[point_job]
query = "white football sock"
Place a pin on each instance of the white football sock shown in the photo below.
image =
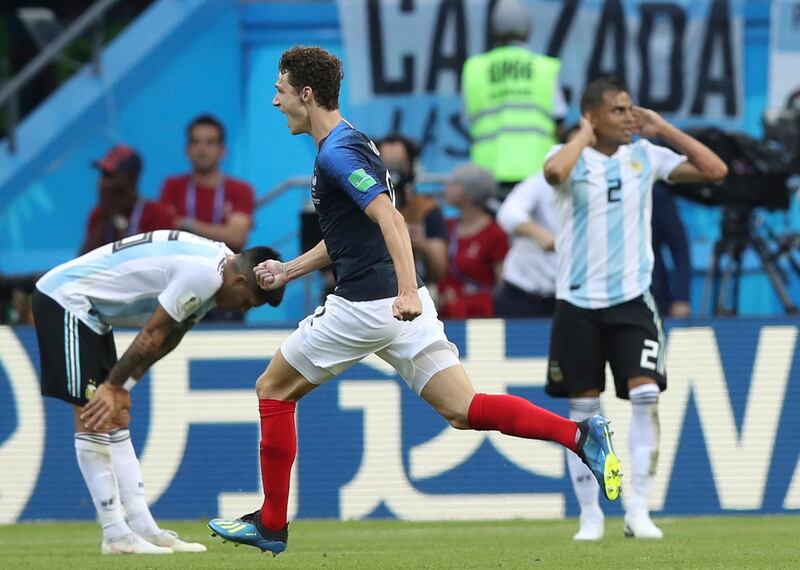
(131, 485)
(584, 483)
(643, 446)
(93, 451)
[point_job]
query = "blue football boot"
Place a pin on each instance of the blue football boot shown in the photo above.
(249, 530)
(597, 452)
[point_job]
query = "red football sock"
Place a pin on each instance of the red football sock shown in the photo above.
(517, 416)
(278, 450)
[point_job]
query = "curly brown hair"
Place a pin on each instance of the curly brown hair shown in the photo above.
(316, 68)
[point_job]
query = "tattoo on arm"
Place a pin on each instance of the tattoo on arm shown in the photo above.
(139, 350)
(145, 349)
(169, 344)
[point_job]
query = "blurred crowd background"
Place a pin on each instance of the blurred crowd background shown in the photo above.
(134, 115)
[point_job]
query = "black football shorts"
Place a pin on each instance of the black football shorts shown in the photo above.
(74, 359)
(628, 336)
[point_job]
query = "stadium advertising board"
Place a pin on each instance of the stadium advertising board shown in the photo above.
(681, 58)
(368, 447)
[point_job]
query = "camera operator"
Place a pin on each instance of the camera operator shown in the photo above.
(763, 174)
(782, 126)
(423, 216)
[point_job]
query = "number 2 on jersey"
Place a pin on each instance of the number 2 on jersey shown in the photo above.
(614, 186)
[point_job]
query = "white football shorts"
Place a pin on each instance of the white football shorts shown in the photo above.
(341, 333)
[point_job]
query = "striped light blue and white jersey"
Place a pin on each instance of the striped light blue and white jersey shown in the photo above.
(604, 251)
(122, 283)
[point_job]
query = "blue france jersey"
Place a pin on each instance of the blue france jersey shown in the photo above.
(348, 175)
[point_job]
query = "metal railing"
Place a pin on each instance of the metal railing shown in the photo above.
(91, 20)
(284, 187)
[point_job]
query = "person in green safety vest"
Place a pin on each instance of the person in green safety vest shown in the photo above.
(513, 100)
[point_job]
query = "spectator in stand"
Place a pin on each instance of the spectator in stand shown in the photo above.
(121, 212)
(529, 272)
(528, 215)
(205, 201)
(476, 248)
(424, 217)
(15, 298)
(670, 288)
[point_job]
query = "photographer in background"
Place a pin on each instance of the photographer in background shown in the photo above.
(120, 211)
(424, 218)
(783, 126)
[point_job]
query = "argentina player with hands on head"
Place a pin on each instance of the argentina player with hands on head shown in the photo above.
(603, 183)
(162, 282)
(379, 307)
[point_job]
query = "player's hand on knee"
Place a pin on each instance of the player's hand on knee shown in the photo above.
(271, 274)
(122, 399)
(121, 419)
(407, 307)
(100, 409)
(122, 405)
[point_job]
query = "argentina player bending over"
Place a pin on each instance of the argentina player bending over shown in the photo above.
(379, 306)
(162, 282)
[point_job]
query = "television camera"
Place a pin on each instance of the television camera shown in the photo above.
(762, 174)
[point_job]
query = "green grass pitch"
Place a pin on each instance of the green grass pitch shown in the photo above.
(703, 543)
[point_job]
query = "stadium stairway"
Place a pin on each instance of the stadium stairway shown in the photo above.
(84, 116)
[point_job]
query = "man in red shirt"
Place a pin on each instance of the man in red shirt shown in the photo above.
(206, 202)
(120, 211)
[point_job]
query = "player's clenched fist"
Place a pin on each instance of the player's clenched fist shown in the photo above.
(407, 307)
(271, 274)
